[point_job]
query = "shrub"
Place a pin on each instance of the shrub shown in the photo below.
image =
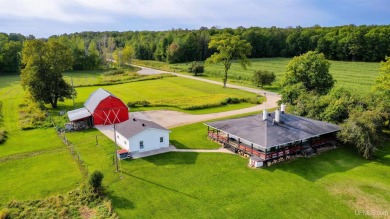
(95, 180)
(196, 68)
(3, 135)
(138, 103)
(263, 77)
(114, 72)
(4, 213)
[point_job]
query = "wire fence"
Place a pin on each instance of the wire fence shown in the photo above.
(72, 149)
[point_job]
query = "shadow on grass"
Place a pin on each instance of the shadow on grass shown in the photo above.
(383, 154)
(121, 202)
(178, 144)
(314, 168)
(172, 158)
(159, 185)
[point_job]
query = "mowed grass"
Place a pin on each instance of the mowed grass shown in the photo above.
(181, 138)
(210, 185)
(11, 94)
(355, 76)
(171, 92)
(35, 177)
(33, 163)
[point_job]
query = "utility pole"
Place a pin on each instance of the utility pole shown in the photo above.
(71, 79)
(116, 155)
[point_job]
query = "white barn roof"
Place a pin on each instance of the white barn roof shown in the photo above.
(78, 114)
(95, 98)
(133, 127)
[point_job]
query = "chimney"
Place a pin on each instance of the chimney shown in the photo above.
(283, 107)
(277, 116)
(265, 114)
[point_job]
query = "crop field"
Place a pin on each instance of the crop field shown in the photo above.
(176, 92)
(355, 76)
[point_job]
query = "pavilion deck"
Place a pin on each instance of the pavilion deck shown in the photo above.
(276, 153)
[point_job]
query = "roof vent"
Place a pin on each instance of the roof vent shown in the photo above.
(264, 114)
(134, 119)
(143, 124)
(277, 115)
(283, 107)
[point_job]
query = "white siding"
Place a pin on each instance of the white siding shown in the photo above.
(150, 137)
(122, 141)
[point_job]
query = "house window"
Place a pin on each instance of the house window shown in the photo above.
(117, 136)
(141, 145)
(161, 139)
(125, 142)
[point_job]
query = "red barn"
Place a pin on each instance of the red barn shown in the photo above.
(106, 108)
(103, 107)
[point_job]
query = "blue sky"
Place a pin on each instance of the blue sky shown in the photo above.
(44, 18)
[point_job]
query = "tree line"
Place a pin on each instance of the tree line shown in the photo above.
(346, 43)
(90, 50)
(308, 89)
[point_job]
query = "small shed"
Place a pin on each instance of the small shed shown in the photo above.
(138, 135)
(106, 108)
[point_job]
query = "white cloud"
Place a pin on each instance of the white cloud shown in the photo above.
(166, 14)
(191, 11)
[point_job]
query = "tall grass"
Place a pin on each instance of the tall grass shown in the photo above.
(79, 203)
(3, 133)
(355, 76)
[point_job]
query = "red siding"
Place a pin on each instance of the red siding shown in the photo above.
(109, 111)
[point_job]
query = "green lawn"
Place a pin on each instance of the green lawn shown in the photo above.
(170, 92)
(181, 139)
(356, 76)
(184, 137)
(35, 177)
(192, 185)
(33, 163)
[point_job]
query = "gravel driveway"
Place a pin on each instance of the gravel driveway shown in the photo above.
(170, 119)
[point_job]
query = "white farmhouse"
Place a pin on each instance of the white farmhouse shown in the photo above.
(138, 135)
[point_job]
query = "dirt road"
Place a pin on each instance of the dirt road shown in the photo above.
(170, 119)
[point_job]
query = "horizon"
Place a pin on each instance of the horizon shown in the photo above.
(44, 19)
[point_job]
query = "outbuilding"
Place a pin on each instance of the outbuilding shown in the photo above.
(273, 137)
(138, 135)
(103, 108)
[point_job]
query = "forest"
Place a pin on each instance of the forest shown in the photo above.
(91, 49)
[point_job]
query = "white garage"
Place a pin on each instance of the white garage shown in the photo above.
(138, 135)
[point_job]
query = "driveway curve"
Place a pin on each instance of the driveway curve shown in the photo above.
(170, 119)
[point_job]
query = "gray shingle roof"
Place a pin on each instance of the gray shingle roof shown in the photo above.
(133, 127)
(95, 98)
(264, 133)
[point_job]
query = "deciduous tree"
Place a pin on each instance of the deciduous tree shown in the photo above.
(263, 77)
(383, 81)
(127, 54)
(312, 69)
(229, 48)
(42, 76)
(363, 129)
